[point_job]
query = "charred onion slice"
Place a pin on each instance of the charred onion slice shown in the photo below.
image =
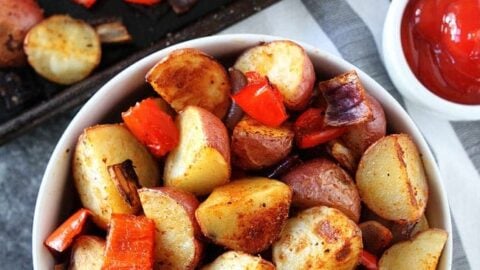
(125, 179)
(235, 113)
(346, 100)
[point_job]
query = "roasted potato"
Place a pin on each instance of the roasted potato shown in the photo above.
(420, 226)
(286, 65)
(318, 238)
(245, 215)
(201, 160)
(190, 77)
(62, 49)
(177, 232)
(16, 18)
(343, 155)
(87, 253)
(239, 260)
(99, 147)
(391, 179)
(375, 236)
(322, 182)
(256, 146)
(421, 253)
(359, 137)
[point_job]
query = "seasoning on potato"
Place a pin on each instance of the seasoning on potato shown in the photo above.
(62, 49)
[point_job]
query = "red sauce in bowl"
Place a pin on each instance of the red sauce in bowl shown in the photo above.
(441, 41)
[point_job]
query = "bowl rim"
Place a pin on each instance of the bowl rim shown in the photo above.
(53, 183)
(402, 76)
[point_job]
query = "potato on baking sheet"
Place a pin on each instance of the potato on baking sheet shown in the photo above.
(87, 253)
(256, 146)
(322, 182)
(190, 77)
(99, 147)
(391, 179)
(245, 215)
(286, 65)
(234, 260)
(62, 49)
(176, 229)
(422, 252)
(201, 160)
(318, 238)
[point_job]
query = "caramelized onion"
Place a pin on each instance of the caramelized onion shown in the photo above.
(346, 100)
(235, 113)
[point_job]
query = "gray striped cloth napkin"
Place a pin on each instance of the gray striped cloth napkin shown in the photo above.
(352, 29)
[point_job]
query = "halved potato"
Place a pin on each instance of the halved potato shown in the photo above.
(245, 215)
(286, 65)
(322, 182)
(421, 253)
(318, 238)
(190, 77)
(87, 253)
(62, 49)
(391, 179)
(255, 146)
(177, 232)
(97, 148)
(234, 260)
(201, 160)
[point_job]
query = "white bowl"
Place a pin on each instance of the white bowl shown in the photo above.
(404, 79)
(56, 187)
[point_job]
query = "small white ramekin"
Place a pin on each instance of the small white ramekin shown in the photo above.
(404, 79)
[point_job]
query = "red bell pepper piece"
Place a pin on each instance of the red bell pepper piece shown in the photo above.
(85, 3)
(63, 236)
(368, 260)
(130, 243)
(152, 126)
(143, 2)
(310, 129)
(261, 100)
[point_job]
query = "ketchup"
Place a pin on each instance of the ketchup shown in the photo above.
(441, 41)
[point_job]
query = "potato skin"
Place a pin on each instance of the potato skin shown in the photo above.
(322, 182)
(391, 179)
(359, 137)
(16, 18)
(375, 236)
(190, 77)
(87, 253)
(239, 260)
(318, 238)
(256, 146)
(245, 215)
(177, 244)
(97, 148)
(286, 65)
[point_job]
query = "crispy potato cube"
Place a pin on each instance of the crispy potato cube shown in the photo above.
(422, 252)
(245, 215)
(190, 77)
(391, 179)
(318, 238)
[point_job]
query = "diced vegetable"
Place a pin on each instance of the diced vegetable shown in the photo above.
(368, 260)
(152, 126)
(85, 3)
(311, 131)
(126, 180)
(63, 236)
(346, 101)
(143, 2)
(130, 243)
(261, 100)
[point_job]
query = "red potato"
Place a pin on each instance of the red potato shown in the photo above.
(256, 146)
(190, 77)
(177, 232)
(201, 160)
(16, 19)
(376, 237)
(286, 65)
(322, 182)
